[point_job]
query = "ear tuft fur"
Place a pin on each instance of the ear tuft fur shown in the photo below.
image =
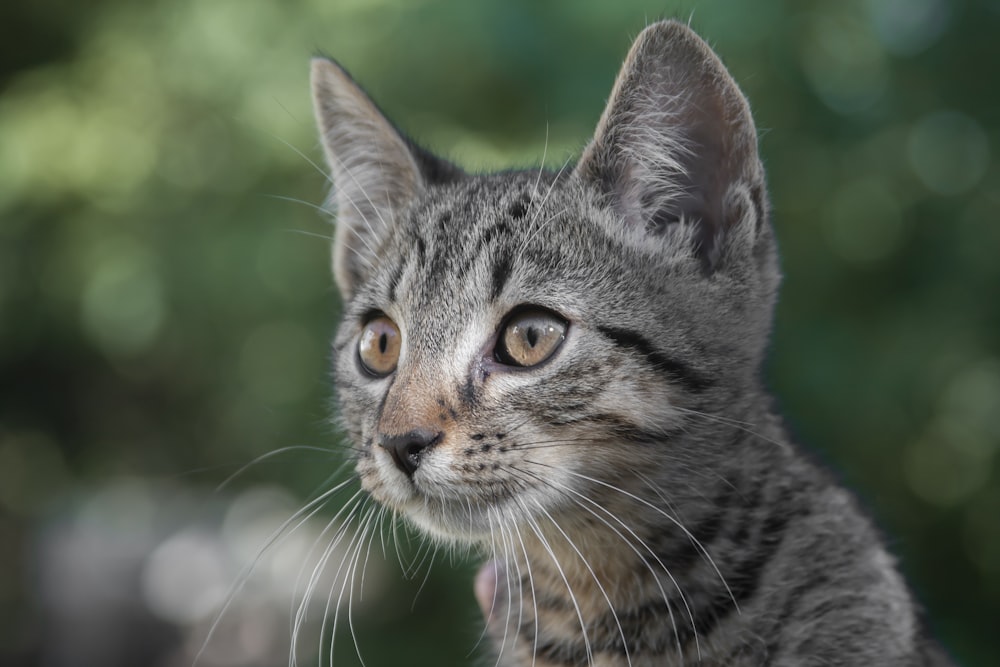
(375, 172)
(675, 137)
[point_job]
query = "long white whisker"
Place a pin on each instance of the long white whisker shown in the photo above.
(500, 561)
(538, 210)
(593, 575)
(423, 583)
(350, 553)
(534, 599)
(276, 537)
(639, 540)
(302, 155)
(263, 457)
(368, 529)
(364, 570)
(296, 200)
(541, 167)
(569, 589)
(701, 548)
(510, 559)
(302, 611)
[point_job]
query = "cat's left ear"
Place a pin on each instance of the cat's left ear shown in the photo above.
(376, 172)
(677, 142)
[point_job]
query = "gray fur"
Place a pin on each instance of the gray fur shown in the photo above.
(640, 493)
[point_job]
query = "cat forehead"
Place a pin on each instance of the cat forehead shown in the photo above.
(486, 240)
(530, 210)
(515, 195)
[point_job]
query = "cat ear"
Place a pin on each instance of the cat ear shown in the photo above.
(676, 141)
(376, 172)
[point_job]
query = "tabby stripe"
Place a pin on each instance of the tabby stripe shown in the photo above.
(421, 251)
(484, 242)
(501, 273)
(443, 221)
(707, 608)
(647, 631)
(394, 280)
(623, 429)
(686, 549)
(467, 393)
(817, 580)
(677, 370)
(501, 227)
(744, 581)
(555, 651)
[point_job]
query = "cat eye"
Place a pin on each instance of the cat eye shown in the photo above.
(529, 337)
(378, 347)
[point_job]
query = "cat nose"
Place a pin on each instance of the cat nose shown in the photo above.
(408, 448)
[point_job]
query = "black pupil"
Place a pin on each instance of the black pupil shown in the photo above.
(383, 342)
(532, 335)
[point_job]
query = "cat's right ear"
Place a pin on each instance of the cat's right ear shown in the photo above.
(376, 173)
(677, 144)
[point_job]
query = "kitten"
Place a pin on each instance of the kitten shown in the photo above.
(564, 369)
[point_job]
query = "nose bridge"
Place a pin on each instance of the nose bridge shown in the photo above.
(426, 392)
(415, 401)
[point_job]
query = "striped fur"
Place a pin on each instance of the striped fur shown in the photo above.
(640, 497)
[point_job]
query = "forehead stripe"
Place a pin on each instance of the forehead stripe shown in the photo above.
(502, 265)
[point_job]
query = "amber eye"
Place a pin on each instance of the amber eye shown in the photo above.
(529, 337)
(378, 347)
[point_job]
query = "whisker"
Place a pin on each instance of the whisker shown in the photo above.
(276, 537)
(354, 568)
(302, 155)
(534, 599)
(701, 548)
(524, 244)
(302, 611)
(351, 552)
(302, 232)
(593, 575)
(364, 193)
(541, 166)
(420, 588)
(559, 569)
(364, 570)
(263, 457)
(499, 560)
(509, 558)
(296, 200)
(738, 424)
(424, 550)
(640, 541)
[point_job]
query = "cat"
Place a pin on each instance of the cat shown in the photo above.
(563, 368)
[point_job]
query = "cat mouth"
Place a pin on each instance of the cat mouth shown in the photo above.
(461, 515)
(456, 521)
(453, 502)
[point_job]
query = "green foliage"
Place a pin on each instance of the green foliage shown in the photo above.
(165, 297)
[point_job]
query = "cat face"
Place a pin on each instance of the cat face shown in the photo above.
(513, 344)
(509, 378)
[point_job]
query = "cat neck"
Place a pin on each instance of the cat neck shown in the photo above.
(627, 546)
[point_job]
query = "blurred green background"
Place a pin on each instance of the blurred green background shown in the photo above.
(165, 296)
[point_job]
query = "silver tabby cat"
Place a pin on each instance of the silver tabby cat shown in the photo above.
(565, 369)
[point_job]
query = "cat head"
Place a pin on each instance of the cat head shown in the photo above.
(511, 341)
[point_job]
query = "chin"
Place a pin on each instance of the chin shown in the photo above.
(449, 523)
